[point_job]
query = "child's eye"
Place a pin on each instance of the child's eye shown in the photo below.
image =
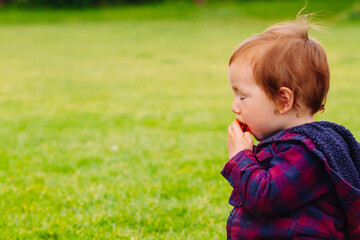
(242, 98)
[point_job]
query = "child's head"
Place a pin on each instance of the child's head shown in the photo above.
(280, 78)
(284, 56)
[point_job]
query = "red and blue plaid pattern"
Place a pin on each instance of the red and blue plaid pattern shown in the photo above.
(283, 190)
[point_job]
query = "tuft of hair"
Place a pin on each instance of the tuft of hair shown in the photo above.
(285, 56)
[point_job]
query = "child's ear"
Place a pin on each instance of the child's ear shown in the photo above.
(286, 100)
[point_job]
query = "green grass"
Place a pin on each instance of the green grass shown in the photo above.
(115, 127)
(273, 10)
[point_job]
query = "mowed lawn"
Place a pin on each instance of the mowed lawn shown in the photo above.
(116, 128)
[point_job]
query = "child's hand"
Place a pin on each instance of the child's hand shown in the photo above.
(239, 139)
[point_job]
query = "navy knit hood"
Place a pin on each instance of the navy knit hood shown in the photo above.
(341, 150)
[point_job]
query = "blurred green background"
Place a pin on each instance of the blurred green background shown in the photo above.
(114, 115)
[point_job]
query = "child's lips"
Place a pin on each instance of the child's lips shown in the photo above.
(244, 126)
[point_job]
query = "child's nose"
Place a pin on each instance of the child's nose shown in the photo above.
(235, 108)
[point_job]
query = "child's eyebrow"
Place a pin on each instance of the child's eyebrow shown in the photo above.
(235, 89)
(240, 91)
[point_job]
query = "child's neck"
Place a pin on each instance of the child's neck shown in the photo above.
(294, 118)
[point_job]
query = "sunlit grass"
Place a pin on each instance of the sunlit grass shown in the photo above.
(117, 129)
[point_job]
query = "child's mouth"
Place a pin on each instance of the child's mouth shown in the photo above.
(244, 127)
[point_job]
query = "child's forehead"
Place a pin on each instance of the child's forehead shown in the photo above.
(241, 66)
(241, 72)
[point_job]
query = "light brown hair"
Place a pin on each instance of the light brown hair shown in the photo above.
(285, 56)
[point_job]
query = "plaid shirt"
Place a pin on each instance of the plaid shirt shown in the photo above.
(285, 190)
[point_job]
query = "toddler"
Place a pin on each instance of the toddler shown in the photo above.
(302, 180)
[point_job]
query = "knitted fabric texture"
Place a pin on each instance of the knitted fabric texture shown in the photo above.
(341, 150)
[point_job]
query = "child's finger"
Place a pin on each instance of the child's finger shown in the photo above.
(237, 126)
(248, 136)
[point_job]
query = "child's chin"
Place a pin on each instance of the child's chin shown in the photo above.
(257, 137)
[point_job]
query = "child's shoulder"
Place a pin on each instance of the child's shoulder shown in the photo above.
(286, 137)
(331, 142)
(283, 142)
(313, 135)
